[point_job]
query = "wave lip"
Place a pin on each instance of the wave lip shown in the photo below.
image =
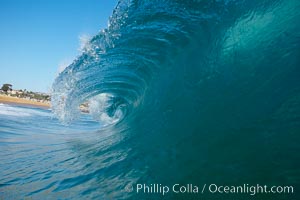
(193, 41)
(119, 61)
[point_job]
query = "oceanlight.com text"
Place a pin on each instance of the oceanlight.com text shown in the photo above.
(250, 189)
(155, 188)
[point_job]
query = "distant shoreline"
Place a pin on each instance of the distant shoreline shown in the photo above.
(25, 102)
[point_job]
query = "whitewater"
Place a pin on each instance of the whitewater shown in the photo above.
(180, 92)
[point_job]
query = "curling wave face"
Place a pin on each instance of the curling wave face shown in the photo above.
(193, 86)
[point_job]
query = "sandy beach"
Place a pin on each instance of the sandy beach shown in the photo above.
(20, 101)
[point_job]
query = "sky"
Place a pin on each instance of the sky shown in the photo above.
(38, 38)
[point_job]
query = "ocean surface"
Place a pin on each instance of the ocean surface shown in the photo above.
(189, 92)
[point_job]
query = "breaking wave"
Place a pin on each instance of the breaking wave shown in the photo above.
(179, 78)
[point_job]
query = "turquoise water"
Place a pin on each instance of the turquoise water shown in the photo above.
(188, 92)
(38, 154)
(42, 159)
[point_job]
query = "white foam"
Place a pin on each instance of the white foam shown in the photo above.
(9, 110)
(98, 106)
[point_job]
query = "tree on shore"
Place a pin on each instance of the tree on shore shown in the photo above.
(6, 87)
